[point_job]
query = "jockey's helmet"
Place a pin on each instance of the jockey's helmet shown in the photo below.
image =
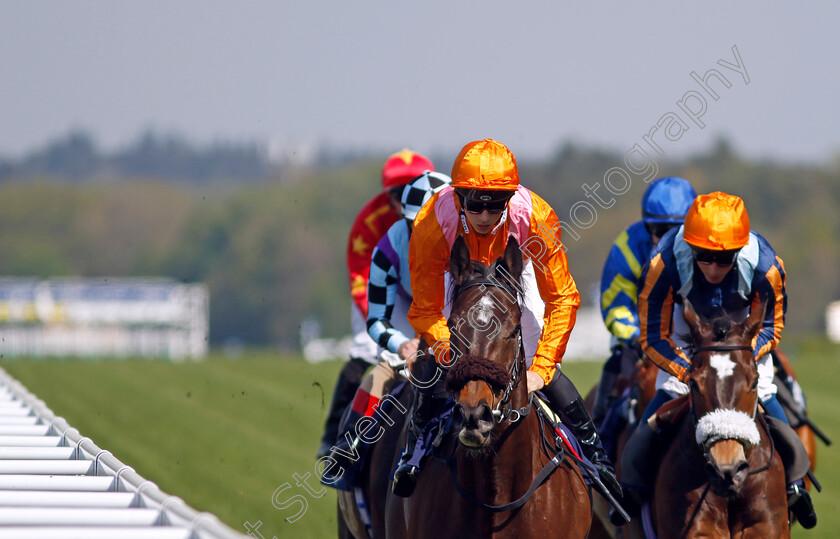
(664, 204)
(485, 170)
(717, 222)
(402, 167)
(420, 190)
(667, 200)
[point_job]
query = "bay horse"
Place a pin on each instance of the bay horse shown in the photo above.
(374, 484)
(643, 380)
(496, 450)
(720, 475)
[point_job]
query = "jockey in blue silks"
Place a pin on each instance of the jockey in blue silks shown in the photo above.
(723, 268)
(664, 205)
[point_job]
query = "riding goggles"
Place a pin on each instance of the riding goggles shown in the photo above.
(721, 258)
(477, 206)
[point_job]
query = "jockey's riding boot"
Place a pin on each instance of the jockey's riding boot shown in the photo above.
(637, 462)
(577, 418)
(800, 504)
(565, 398)
(637, 470)
(348, 447)
(795, 460)
(602, 396)
(346, 385)
(405, 476)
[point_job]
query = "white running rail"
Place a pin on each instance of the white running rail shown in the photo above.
(57, 484)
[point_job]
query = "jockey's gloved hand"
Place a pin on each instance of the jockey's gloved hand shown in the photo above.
(534, 380)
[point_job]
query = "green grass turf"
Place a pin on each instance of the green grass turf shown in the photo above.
(225, 434)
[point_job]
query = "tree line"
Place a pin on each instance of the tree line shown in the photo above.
(272, 252)
(76, 157)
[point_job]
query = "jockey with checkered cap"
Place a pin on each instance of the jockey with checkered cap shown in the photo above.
(371, 223)
(389, 297)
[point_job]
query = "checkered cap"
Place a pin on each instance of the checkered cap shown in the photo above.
(420, 190)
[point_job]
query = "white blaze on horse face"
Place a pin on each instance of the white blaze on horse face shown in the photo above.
(484, 311)
(722, 364)
(482, 318)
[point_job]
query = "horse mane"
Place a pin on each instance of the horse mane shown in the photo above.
(470, 368)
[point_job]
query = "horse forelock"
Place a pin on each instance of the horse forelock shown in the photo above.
(478, 271)
(720, 331)
(469, 368)
(722, 327)
(487, 275)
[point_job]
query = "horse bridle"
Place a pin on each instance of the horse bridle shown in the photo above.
(718, 348)
(503, 410)
(722, 348)
(729, 348)
(714, 348)
(495, 283)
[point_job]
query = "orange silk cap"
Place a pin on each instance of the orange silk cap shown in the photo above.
(486, 165)
(718, 222)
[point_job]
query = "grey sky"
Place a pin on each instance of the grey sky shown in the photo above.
(431, 75)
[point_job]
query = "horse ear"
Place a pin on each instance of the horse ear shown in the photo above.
(699, 330)
(752, 324)
(512, 259)
(459, 261)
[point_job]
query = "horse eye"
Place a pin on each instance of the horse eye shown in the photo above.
(754, 384)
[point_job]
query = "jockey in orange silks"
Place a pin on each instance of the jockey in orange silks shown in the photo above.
(371, 223)
(486, 205)
(723, 268)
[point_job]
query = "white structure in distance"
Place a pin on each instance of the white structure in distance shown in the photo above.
(98, 317)
(589, 341)
(832, 320)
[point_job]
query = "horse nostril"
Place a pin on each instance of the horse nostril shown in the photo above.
(460, 414)
(484, 417)
(486, 414)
